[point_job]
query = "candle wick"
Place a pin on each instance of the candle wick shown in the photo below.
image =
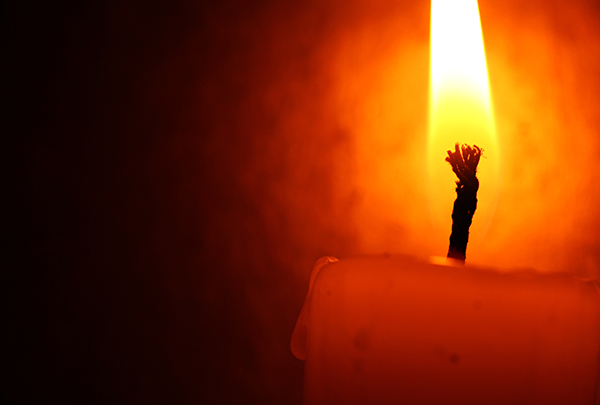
(464, 161)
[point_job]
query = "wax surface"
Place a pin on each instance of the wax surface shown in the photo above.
(402, 331)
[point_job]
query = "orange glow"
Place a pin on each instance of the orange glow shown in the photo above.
(460, 111)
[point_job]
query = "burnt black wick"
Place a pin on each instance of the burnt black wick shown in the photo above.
(464, 162)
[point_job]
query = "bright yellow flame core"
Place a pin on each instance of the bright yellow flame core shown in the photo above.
(460, 110)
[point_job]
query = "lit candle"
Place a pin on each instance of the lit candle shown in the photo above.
(390, 330)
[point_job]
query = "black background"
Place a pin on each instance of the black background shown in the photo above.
(142, 268)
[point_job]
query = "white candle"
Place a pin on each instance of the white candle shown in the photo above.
(378, 330)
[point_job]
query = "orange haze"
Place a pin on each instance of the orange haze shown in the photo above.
(544, 75)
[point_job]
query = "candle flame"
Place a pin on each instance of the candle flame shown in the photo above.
(460, 110)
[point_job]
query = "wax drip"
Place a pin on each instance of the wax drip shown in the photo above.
(464, 161)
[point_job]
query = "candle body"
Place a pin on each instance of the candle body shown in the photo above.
(402, 331)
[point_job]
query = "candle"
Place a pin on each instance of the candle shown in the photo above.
(391, 330)
(397, 330)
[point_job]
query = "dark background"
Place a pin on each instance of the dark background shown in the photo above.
(155, 260)
(176, 168)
